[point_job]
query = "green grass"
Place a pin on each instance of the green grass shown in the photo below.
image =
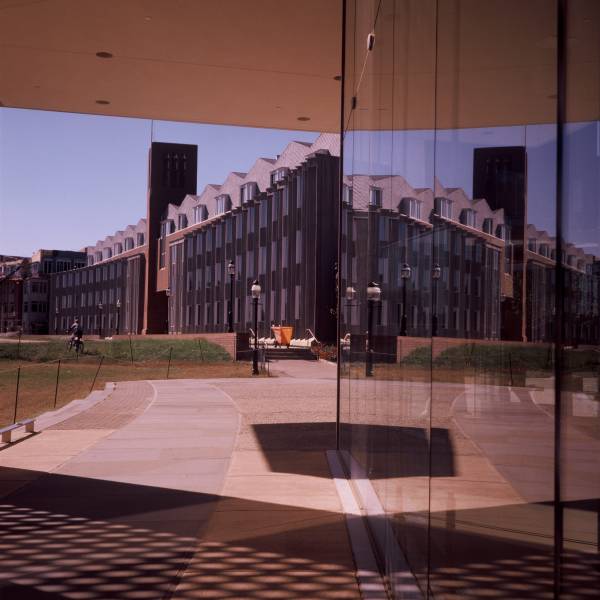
(143, 350)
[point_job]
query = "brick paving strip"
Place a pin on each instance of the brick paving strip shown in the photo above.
(171, 489)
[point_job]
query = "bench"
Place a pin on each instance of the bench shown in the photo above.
(6, 432)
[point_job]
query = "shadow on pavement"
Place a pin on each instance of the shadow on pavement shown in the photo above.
(73, 537)
(392, 451)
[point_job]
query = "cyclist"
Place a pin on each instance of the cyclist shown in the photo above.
(76, 331)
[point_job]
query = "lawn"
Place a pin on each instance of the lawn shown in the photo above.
(101, 362)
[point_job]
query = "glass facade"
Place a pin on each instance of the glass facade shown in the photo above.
(470, 285)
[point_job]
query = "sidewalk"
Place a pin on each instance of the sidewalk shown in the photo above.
(178, 489)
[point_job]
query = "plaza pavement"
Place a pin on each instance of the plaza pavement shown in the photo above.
(179, 489)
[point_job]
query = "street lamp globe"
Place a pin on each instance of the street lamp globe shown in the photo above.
(255, 290)
(405, 271)
(436, 272)
(373, 292)
(118, 303)
(350, 294)
(231, 268)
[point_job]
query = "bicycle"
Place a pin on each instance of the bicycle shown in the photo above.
(77, 343)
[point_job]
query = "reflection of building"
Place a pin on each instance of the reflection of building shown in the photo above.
(395, 224)
(276, 223)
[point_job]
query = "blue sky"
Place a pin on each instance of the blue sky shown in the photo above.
(67, 180)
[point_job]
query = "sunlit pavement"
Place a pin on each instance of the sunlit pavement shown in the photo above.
(182, 489)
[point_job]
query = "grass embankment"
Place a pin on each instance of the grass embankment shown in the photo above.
(494, 363)
(103, 361)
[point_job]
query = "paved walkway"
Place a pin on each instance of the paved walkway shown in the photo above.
(178, 489)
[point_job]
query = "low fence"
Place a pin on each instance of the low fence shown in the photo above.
(33, 381)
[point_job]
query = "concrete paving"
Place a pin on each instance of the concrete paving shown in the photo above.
(178, 489)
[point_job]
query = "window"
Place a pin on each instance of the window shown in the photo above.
(375, 196)
(278, 175)
(502, 232)
(140, 239)
(532, 244)
(182, 221)
(412, 208)
(248, 192)
(129, 243)
(545, 250)
(223, 203)
(118, 248)
(107, 253)
(469, 217)
(200, 213)
(443, 207)
(487, 226)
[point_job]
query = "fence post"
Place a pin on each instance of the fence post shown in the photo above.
(56, 388)
(169, 365)
(17, 394)
(19, 345)
(201, 351)
(510, 370)
(97, 371)
(131, 348)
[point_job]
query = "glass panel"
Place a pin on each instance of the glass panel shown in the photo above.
(492, 454)
(386, 346)
(578, 359)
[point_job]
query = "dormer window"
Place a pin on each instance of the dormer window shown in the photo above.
(544, 250)
(248, 192)
(502, 232)
(107, 253)
(182, 221)
(375, 197)
(411, 207)
(98, 256)
(223, 203)
(487, 226)
(129, 243)
(118, 248)
(140, 239)
(532, 245)
(90, 260)
(200, 213)
(443, 207)
(278, 175)
(468, 217)
(167, 227)
(572, 260)
(347, 195)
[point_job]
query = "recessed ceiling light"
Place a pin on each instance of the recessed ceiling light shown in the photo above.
(104, 55)
(103, 102)
(303, 118)
(338, 77)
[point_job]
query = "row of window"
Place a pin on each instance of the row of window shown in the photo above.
(99, 274)
(35, 307)
(118, 248)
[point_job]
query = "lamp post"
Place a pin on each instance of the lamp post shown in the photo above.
(56, 319)
(373, 297)
(118, 314)
(231, 271)
(436, 273)
(405, 274)
(255, 290)
(100, 309)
